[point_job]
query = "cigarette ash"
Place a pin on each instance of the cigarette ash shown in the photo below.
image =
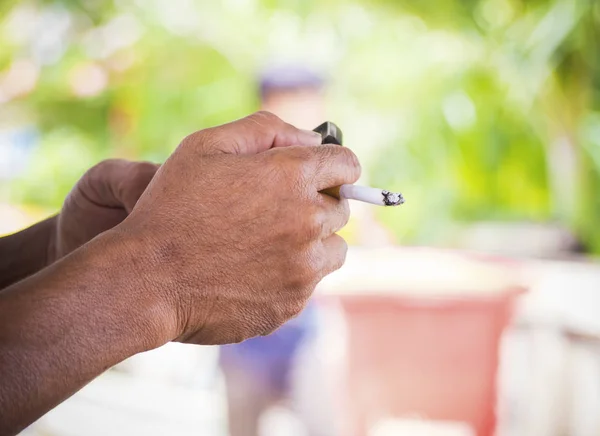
(392, 198)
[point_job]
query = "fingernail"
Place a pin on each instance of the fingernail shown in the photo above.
(308, 137)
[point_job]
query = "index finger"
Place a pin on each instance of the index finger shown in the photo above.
(333, 165)
(259, 132)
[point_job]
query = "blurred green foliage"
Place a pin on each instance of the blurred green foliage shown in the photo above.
(474, 109)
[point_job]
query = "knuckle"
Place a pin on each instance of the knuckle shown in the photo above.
(102, 166)
(341, 159)
(105, 172)
(190, 139)
(350, 160)
(291, 229)
(314, 257)
(326, 152)
(201, 139)
(301, 276)
(318, 157)
(291, 166)
(313, 225)
(264, 122)
(300, 155)
(314, 263)
(265, 117)
(305, 269)
(340, 252)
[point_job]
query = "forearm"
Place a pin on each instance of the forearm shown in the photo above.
(25, 253)
(65, 325)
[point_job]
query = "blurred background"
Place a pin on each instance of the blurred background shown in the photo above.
(474, 309)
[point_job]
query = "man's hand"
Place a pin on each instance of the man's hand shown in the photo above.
(233, 232)
(100, 200)
(227, 242)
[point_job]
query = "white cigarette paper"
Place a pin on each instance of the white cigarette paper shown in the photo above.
(370, 195)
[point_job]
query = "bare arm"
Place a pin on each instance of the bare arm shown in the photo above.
(65, 325)
(25, 253)
(227, 242)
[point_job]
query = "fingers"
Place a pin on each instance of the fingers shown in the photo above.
(256, 133)
(335, 166)
(335, 248)
(333, 215)
(325, 166)
(117, 183)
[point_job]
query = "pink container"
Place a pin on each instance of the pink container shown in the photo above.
(430, 357)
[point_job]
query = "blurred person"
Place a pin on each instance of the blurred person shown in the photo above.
(259, 372)
(223, 242)
(295, 93)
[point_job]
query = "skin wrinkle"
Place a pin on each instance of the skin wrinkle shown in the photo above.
(83, 196)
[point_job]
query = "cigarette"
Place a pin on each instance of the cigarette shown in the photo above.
(366, 194)
(332, 134)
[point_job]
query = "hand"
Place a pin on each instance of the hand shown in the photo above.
(100, 200)
(232, 232)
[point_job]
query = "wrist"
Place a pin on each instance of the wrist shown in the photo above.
(131, 267)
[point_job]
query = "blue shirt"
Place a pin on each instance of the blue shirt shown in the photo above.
(282, 343)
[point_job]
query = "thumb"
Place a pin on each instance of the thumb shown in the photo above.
(257, 133)
(117, 183)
